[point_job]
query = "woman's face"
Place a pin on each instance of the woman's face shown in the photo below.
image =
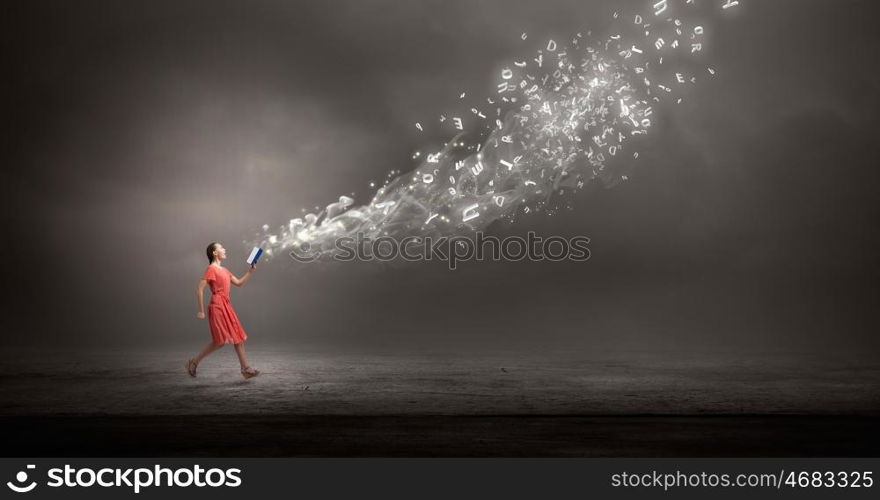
(220, 252)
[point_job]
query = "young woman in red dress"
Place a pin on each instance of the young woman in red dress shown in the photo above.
(224, 324)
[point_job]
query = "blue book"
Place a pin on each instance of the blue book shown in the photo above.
(255, 255)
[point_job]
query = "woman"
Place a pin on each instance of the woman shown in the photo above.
(225, 327)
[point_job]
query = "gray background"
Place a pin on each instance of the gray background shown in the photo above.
(136, 133)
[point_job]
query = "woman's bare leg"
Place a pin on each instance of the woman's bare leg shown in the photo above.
(208, 349)
(242, 357)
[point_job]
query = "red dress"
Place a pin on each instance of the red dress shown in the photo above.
(225, 327)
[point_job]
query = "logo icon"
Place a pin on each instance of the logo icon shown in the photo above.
(21, 477)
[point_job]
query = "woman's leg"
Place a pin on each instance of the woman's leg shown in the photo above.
(208, 349)
(242, 357)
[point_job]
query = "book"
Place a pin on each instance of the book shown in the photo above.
(255, 255)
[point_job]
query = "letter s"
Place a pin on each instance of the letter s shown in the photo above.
(580, 251)
(55, 479)
(347, 253)
(232, 478)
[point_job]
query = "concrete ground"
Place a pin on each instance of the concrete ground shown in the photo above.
(568, 404)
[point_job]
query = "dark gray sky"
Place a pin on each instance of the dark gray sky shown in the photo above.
(138, 132)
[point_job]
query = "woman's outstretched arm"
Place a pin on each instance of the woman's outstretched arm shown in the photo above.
(241, 281)
(200, 298)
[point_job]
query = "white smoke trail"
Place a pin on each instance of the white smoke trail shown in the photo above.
(566, 113)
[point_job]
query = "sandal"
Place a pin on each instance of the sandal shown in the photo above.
(191, 366)
(249, 372)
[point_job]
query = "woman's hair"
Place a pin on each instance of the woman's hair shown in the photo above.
(210, 252)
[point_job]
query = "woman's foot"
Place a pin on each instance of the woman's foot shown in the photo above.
(191, 366)
(249, 372)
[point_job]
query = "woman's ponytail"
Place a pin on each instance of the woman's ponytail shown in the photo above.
(210, 252)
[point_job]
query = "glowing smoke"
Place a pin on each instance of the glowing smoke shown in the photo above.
(559, 119)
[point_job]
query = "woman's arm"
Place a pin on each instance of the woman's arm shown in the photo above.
(241, 281)
(200, 298)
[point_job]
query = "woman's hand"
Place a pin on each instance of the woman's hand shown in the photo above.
(200, 315)
(253, 268)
